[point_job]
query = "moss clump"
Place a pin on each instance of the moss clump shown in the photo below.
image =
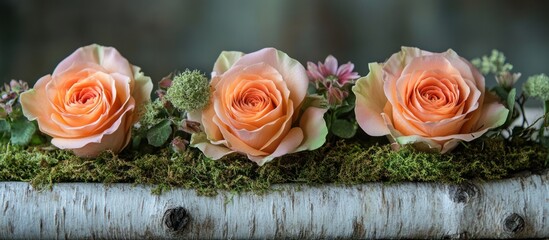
(497, 158)
(341, 162)
(20, 164)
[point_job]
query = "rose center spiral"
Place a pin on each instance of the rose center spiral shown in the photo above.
(253, 100)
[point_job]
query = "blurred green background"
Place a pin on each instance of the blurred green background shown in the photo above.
(166, 35)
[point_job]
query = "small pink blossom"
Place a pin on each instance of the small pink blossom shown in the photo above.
(329, 72)
(335, 96)
(332, 79)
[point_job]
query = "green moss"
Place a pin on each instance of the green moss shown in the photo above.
(409, 165)
(341, 162)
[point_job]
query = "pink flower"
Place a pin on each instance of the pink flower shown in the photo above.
(331, 79)
(430, 100)
(329, 72)
(90, 101)
(256, 110)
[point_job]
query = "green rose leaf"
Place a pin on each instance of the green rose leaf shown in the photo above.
(22, 131)
(501, 92)
(4, 126)
(344, 109)
(159, 134)
(347, 106)
(344, 128)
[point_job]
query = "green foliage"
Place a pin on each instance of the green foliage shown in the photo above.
(344, 128)
(494, 64)
(13, 125)
(165, 119)
(508, 98)
(340, 119)
(22, 131)
(5, 127)
(160, 133)
(189, 91)
(152, 113)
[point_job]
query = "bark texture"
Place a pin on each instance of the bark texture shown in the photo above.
(512, 208)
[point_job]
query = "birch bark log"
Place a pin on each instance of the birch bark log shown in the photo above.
(512, 208)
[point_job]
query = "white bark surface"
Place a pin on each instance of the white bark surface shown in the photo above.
(517, 208)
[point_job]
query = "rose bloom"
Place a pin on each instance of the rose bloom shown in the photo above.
(255, 108)
(89, 103)
(430, 100)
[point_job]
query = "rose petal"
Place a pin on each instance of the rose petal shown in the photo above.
(314, 127)
(272, 133)
(210, 150)
(210, 128)
(466, 70)
(32, 96)
(225, 61)
(112, 138)
(494, 115)
(142, 87)
(113, 142)
(239, 79)
(107, 57)
(261, 137)
(40, 112)
(291, 70)
(370, 101)
(395, 64)
(287, 145)
(236, 144)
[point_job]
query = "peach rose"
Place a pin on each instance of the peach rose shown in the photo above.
(431, 100)
(88, 104)
(255, 108)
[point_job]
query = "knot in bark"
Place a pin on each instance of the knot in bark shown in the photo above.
(463, 193)
(513, 223)
(176, 219)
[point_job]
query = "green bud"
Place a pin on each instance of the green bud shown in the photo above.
(189, 91)
(537, 86)
(494, 64)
